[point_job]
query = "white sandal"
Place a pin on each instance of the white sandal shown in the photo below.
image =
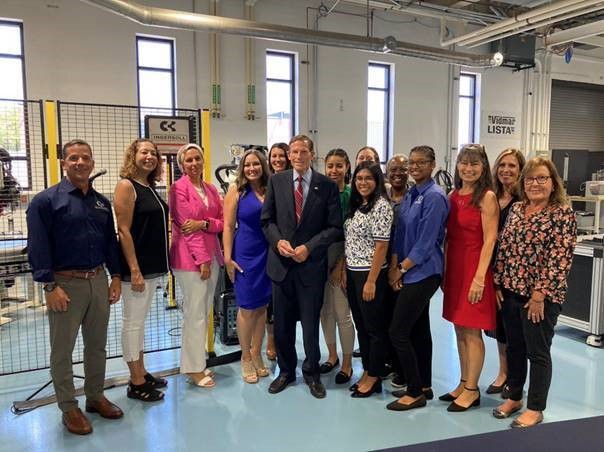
(206, 382)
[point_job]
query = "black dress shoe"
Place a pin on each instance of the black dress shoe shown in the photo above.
(493, 389)
(279, 384)
(428, 394)
(327, 367)
(342, 377)
(317, 389)
(396, 406)
(455, 408)
(376, 388)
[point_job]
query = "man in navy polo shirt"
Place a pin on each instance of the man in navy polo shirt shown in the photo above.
(71, 238)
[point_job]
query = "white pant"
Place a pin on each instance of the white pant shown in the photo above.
(337, 310)
(198, 300)
(135, 306)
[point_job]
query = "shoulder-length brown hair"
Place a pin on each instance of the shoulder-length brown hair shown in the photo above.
(558, 196)
(128, 169)
(497, 185)
(241, 181)
(485, 183)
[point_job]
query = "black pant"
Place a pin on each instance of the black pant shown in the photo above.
(293, 301)
(529, 340)
(390, 297)
(410, 333)
(370, 320)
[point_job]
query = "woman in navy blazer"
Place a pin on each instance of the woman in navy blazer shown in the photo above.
(195, 256)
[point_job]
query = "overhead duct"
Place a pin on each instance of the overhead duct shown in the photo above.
(160, 17)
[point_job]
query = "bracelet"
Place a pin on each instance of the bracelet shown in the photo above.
(477, 283)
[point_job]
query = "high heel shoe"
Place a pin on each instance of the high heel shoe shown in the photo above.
(448, 397)
(456, 408)
(376, 388)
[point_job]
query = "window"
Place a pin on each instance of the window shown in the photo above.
(280, 96)
(13, 120)
(467, 127)
(156, 76)
(379, 100)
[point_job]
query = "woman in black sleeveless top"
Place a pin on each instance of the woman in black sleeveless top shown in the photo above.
(506, 173)
(142, 220)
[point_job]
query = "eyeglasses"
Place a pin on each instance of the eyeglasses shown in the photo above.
(539, 179)
(418, 163)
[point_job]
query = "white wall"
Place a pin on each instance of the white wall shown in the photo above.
(78, 52)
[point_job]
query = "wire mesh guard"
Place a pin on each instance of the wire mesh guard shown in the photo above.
(109, 129)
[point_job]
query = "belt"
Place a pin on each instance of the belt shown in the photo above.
(80, 274)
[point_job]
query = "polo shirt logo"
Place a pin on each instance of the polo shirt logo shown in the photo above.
(419, 199)
(101, 206)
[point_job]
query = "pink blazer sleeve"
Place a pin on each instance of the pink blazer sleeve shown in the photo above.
(217, 220)
(184, 207)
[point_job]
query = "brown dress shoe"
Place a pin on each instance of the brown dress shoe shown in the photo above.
(105, 408)
(76, 422)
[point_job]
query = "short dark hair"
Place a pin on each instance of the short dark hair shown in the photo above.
(74, 142)
(307, 140)
(428, 151)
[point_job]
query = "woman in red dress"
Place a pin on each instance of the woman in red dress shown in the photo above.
(469, 301)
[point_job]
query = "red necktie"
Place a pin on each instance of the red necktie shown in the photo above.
(299, 198)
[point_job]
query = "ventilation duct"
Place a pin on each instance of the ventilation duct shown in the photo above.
(160, 17)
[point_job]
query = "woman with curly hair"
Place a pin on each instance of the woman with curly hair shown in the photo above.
(142, 222)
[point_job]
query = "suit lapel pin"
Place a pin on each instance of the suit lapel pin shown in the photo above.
(316, 188)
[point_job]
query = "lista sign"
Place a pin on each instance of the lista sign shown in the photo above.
(500, 125)
(169, 133)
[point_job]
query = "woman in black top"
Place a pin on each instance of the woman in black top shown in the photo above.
(142, 221)
(506, 173)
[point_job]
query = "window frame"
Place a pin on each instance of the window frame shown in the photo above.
(27, 157)
(292, 82)
(473, 106)
(171, 71)
(388, 113)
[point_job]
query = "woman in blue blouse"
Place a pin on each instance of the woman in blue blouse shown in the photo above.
(416, 268)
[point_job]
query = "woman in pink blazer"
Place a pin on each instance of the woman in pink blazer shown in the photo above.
(195, 257)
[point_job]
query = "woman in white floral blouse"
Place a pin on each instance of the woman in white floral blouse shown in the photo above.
(366, 237)
(531, 268)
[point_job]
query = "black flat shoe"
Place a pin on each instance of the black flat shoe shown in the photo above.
(156, 382)
(493, 389)
(428, 393)
(448, 397)
(279, 384)
(505, 394)
(342, 377)
(327, 367)
(376, 388)
(455, 408)
(396, 406)
(353, 387)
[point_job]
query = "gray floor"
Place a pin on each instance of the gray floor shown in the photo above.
(235, 416)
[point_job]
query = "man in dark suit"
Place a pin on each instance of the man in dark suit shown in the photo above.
(301, 217)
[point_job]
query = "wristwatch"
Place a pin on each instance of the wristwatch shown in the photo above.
(49, 287)
(402, 269)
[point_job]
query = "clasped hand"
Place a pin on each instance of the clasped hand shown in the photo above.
(298, 254)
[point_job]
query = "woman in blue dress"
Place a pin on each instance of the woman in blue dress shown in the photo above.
(245, 253)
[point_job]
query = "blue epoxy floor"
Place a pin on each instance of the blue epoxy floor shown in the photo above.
(235, 416)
